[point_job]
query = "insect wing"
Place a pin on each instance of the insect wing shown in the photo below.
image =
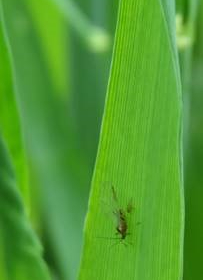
(109, 202)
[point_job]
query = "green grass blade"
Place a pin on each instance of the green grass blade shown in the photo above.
(139, 153)
(20, 251)
(9, 117)
(50, 27)
(186, 22)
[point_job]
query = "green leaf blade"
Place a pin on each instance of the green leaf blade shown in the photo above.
(140, 153)
(9, 117)
(20, 251)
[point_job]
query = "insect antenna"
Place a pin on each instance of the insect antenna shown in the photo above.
(105, 237)
(121, 242)
(115, 238)
(114, 194)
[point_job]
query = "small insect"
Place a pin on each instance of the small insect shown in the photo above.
(121, 218)
(121, 215)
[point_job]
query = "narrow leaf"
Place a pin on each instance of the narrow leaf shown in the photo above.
(9, 117)
(50, 27)
(20, 251)
(139, 154)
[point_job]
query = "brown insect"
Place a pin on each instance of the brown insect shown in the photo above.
(121, 215)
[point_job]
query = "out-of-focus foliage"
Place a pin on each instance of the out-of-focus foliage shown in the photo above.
(53, 79)
(50, 30)
(48, 137)
(61, 130)
(20, 251)
(9, 118)
(193, 268)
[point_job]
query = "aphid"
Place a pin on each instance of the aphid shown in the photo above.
(121, 215)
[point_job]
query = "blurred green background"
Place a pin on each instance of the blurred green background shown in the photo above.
(61, 62)
(61, 54)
